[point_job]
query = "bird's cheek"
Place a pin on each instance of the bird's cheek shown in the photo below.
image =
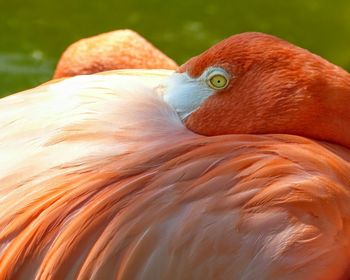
(203, 120)
(218, 115)
(196, 124)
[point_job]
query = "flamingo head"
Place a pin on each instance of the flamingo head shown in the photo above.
(254, 83)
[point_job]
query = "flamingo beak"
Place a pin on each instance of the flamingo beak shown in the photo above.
(185, 94)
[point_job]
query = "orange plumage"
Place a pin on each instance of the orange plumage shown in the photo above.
(276, 88)
(113, 50)
(100, 179)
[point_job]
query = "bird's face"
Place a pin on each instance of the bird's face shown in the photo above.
(186, 93)
(256, 83)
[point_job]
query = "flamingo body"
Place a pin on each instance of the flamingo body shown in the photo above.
(100, 179)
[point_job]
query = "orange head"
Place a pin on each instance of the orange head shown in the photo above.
(256, 83)
(121, 49)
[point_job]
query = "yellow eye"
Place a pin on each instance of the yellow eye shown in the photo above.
(217, 81)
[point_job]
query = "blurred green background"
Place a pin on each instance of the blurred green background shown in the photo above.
(35, 32)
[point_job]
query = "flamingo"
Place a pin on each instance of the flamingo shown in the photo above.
(117, 49)
(234, 167)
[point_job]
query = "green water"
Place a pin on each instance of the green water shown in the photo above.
(35, 32)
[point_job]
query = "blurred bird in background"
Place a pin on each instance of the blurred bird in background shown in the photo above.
(234, 167)
(120, 49)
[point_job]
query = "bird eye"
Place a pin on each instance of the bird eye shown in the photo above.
(217, 81)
